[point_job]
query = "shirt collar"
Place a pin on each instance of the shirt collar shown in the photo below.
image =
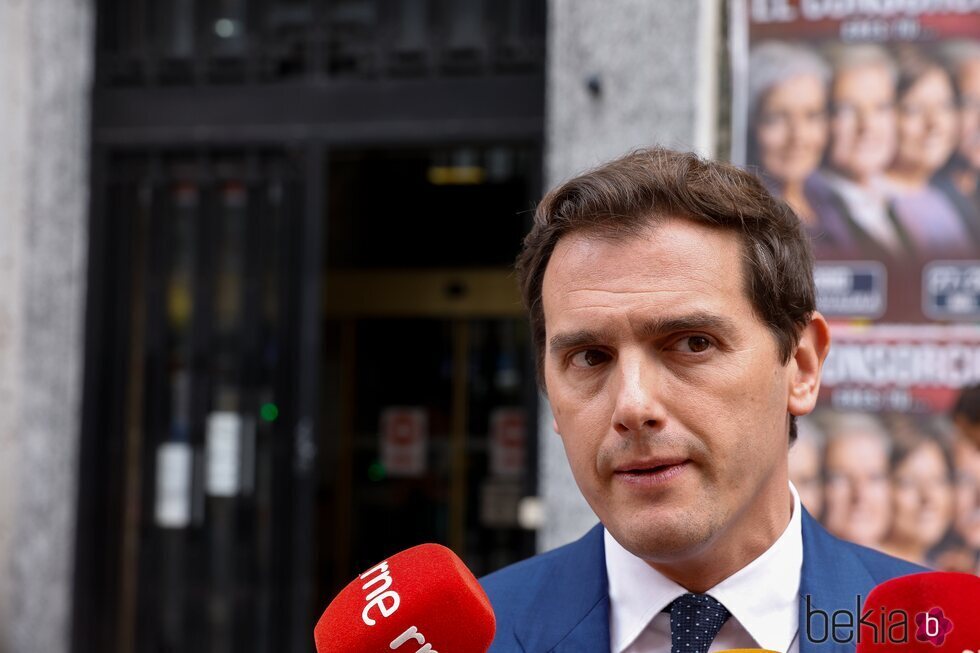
(866, 206)
(855, 191)
(763, 596)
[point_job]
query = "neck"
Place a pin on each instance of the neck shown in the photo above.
(905, 549)
(858, 180)
(735, 547)
(908, 177)
(796, 198)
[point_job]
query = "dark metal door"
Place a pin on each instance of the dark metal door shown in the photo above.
(200, 403)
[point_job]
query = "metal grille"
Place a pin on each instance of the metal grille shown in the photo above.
(189, 42)
(202, 287)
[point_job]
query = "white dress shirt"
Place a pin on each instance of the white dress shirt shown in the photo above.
(762, 597)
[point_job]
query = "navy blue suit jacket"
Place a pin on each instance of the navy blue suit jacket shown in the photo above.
(558, 602)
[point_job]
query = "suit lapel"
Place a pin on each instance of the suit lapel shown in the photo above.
(591, 634)
(832, 577)
(571, 609)
(867, 245)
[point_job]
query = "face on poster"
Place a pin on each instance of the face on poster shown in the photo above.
(865, 117)
(868, 124)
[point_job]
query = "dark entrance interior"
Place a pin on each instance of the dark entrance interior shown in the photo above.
(424, 324)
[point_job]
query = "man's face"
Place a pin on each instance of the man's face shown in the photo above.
(969, 84)
(862, 125)
(667, 390)
(857, 504)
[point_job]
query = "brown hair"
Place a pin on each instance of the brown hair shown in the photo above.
(913, 65)
(620, 199)
(968, 405)
(909, 432)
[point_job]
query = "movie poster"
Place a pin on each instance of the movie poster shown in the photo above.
(864, 115)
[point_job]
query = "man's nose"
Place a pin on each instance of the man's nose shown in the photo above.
(863, 121)
(639, 401)
(860, 490)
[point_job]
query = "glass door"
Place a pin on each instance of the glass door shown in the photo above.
(432, 437)
(428, 390)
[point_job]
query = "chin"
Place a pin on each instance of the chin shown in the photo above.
(665, 550)
(664, 542)
(796, 176)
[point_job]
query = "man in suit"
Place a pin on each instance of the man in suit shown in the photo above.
(671, 302)
(863, 141)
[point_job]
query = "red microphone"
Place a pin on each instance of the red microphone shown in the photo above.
(922, 613)
(422, 600)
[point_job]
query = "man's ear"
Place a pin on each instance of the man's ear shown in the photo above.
(807, 364)
(554, 426)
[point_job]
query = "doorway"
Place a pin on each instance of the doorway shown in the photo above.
(429, 399)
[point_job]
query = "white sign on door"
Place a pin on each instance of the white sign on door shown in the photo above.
(224, 454)
(173, 497)
(404, 441)
(508, 442)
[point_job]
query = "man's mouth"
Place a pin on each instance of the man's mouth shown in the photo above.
(651, 473)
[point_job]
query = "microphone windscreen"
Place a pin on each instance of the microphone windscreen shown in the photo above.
(940, 610)
(421, 599)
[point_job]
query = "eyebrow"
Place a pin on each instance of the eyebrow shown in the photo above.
(653, 328)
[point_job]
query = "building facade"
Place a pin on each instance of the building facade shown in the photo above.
(275, 336)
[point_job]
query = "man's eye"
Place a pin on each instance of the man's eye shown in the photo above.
(694, 344)
(589, 358)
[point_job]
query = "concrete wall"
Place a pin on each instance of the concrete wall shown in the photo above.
(45, 77)
(655, 66)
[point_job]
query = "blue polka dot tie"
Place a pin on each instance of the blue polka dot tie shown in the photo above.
(695, 620)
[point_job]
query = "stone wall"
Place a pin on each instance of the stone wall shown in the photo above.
(45, 78)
